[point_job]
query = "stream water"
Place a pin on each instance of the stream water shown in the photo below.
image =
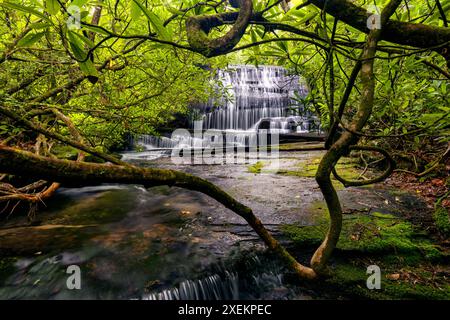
(169, 243)
(162, 243)
(136, 243)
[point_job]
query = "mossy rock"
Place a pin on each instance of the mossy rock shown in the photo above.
(442, 220)
(350, 279)
(346, 168)
(369, 234)
(256, 168)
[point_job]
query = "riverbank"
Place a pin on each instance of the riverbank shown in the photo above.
(136, 243)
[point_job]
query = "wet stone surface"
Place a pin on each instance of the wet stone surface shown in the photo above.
(166, 242)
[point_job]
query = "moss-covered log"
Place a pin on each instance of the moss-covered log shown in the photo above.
(23, 163)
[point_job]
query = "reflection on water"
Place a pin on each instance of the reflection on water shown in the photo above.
(130, 243)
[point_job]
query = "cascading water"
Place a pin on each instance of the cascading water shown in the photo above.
(258, 275)
(263, 99)
(258, 93)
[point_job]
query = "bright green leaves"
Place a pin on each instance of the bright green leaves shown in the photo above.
(52, 6)
(78, 43)
(156, 23)
(78, 3)
(135, 11)
(25, 9)
(302, 16)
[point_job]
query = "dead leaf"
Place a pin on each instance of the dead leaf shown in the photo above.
(437, 182)
(393, 276)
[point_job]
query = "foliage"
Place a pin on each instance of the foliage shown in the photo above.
(89, 73)
(133, 88)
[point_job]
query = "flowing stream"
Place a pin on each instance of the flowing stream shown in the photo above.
(162, 243)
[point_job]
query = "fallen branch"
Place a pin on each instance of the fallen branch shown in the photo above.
(23, 163)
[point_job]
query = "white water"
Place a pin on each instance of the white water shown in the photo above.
(264, 92)
(262, 100)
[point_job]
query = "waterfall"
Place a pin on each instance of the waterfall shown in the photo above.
(257, 100)
(257, 93)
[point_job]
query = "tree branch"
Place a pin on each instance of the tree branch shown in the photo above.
(71, 173)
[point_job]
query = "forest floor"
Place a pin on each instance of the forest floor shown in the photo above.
(133, 240)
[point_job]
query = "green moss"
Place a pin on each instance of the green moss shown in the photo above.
(369, 234)
(390, 242)
(256, 168)
(300, 146)
(65, 152)
(349, 278)
(442, 220)
(346, 168)
(383, 215)
(309, 236)
(71, 153)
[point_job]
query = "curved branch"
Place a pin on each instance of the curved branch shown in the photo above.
(382, 177)
(404, 33)
(347, 139)
(198, 27)
(23, 163)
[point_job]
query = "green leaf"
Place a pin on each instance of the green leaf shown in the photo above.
(25, 9)
(52, 6)
(155, 21)
(40, 25)
(76, 45)
(135, 11)
(78, 3)
(308, 17)
(254, 37)
(84, 39)
(96, 30)
(172, 10)
(30, 39)
(88, 68)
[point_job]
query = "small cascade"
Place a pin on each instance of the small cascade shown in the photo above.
(153, 142)
(213, 287)
(255, 277)
(208, 140)
(176, 141)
